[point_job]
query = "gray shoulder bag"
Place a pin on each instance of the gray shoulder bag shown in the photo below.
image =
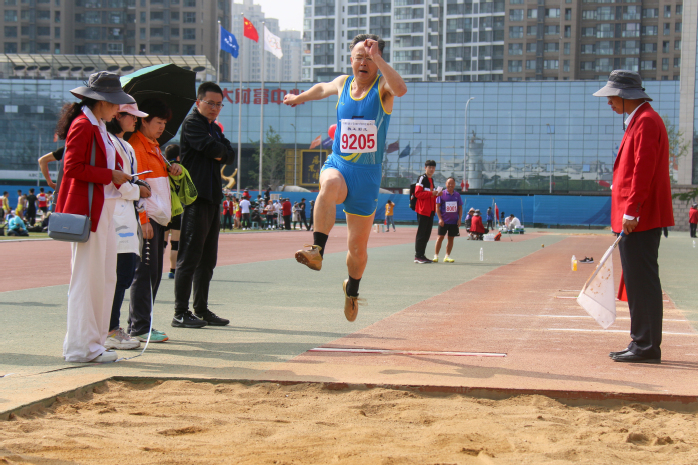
(69, 227)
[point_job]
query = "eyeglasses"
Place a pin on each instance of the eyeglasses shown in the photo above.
(213, 104)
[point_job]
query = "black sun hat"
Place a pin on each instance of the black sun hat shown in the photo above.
(624, 84)
(104, 86)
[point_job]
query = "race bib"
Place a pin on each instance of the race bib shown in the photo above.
(451, 207)
(358, 136)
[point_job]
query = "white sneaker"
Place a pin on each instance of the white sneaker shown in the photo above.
(120, 340)
(108, 356)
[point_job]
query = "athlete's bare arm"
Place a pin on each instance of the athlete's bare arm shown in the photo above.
(317, 92)
(392, 84)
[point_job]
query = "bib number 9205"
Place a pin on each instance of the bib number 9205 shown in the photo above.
(358, 136)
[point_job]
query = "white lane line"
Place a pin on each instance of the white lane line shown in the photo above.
(572, 297)
(613, 331)
(587, 317)
(406, 352)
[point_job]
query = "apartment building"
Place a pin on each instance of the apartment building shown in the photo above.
(495, 40)
(115, 27)
(249, 60)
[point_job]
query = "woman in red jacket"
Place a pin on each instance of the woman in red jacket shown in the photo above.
(93, 278)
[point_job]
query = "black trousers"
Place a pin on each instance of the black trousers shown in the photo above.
(246, 220)
(304, 220)
(693, 229)
(638, 255)
(287, 222)
(197, 256)
(227, 221)
(424, 226)
(31, 216)
(125, 271)
(146, 279)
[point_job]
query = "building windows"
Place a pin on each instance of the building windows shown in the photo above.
(588, 49)
(531, 47)
(630, 30)
(589, 14)
(10, 32)
(56, 32)
(630, 47)
(143, 20)
(515, 66)
(516, 2)
(43, 47)
(516, 15)
(190, 4)
(665, 64)
(515, 49)
(568, 14)
(174, 15)
(189, 33)
(648, 65)
(677, 62)
(650, 12)
(157, 16)
(566, 49)
(188, 49)
(588, 32)
(515, 32)
(43, 15)
(10, 16)
(44, 31)
(531, 30)
(678, 27)
(10, 2)
(552, 30)
(566, 66)
(552, 12)
(605, 31)
(629, 63)
(532, 13)
(189, 17)
(667, 11)
(665, 46)
(142, 33)
(604, 65)
(649, 47)
(10, 47)
(531, 64)
(605, 13)
(667, 29)
(157, 33)
(174, 32)
(631, 12)
(551, 47)
(568, 32)
(679, 10)
(677, 45)
(156, 49)
(649, 30)
(586, 66)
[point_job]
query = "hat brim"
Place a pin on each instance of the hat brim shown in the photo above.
(117, 98)
(628, 94)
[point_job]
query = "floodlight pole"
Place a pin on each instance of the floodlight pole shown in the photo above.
(465, 148)
(551, 130)
(295, 154)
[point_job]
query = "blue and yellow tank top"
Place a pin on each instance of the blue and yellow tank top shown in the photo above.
(370, 108)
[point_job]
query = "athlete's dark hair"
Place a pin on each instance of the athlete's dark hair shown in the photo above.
(451, 177)
(208, 86)
(429, 163)
(155, 108)
(172, 152)
(31, 191)
(363, 37)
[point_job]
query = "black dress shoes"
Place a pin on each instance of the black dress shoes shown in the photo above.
(613, 354)
(629, 357)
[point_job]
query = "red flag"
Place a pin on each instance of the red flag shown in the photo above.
(622, 293)
(316, 142)
(249, 31)
(496, 212)
(394, 147)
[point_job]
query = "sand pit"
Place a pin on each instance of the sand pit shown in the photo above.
(182, 422)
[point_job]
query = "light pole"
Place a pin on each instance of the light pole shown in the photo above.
(295, 155)
(465, 148)
(551, 131)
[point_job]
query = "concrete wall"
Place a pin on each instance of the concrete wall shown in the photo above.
(681, 207)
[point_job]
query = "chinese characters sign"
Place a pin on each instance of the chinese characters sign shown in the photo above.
(255, 96)
(311, 164)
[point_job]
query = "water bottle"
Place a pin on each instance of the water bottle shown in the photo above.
(574, 263)
(482, 254)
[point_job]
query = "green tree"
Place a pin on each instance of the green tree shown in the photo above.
(678, 146)
(274, 162)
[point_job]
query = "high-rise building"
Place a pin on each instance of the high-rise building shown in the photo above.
(494, 40)
(284, 69)
(115, 27)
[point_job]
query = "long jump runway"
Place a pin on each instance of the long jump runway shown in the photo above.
(506, 324)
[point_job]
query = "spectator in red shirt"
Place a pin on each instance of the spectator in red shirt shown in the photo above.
(426, 194)
(477, 229)
(286, 213)
(42, 201)
(228, 213)
(693, 218)
(246, 194)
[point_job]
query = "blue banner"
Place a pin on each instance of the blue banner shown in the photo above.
(228, 43)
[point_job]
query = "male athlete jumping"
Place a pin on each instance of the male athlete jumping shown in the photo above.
(352, 173)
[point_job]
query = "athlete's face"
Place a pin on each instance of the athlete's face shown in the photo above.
(361, 63)
(450, 185)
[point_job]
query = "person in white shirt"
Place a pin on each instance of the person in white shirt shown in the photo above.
(512, 223)
(245, 209)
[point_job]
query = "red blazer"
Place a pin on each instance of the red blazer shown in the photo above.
(77, 172)
(693, 215)
(641, 183)
(476, 225)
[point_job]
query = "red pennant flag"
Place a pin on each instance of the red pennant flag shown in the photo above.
(249, 31)
(622, 293)
(316, 142)
(394, 147)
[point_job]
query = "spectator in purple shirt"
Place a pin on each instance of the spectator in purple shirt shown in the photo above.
(449, 208)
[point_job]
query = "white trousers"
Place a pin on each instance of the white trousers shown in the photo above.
(91, 291)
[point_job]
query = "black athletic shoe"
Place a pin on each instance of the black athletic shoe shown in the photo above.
(212, 319)
(587, 260)
(187, 320)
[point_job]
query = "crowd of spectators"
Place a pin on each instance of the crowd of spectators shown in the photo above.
(30, 215)
(244, 213)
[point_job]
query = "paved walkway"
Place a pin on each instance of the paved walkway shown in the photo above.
(508, 322)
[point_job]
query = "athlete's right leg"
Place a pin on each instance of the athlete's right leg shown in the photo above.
(333, 191)
(437, 248)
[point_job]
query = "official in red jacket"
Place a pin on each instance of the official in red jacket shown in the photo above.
(641, 207)
(93, 279)
(426, 194)
(693, 218)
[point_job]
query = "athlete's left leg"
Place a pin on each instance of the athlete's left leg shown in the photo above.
(358, 233)
(449, 245)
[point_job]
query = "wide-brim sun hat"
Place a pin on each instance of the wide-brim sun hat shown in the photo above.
(624, 84)
(104, 86)
(132, 109)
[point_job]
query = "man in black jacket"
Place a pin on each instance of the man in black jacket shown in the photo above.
(204, 149)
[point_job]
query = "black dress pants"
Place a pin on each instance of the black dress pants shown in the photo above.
(693, 229)
(304, 220)
(287, 222)
(638, 255)
(197, 256)
(146, 281)
(424, 226)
